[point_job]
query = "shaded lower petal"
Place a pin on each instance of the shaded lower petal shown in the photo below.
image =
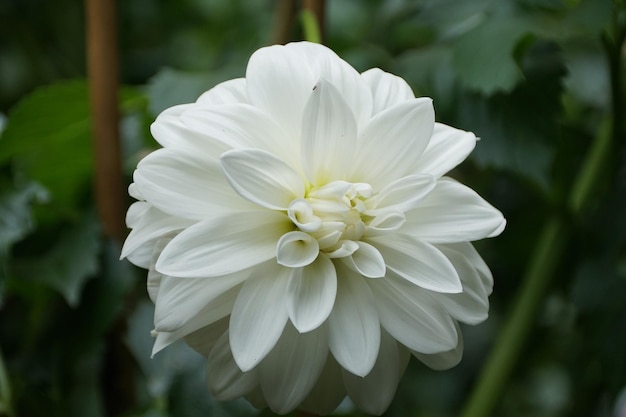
(353, 326)
(418, 262)
(290, 371)
(311, 294)
(224, 244)
(224, 379)
(472, 305)
(259, 315)
(374, 392)
(411, 315)
(179, 300)
(211, 313)
(451, 213)
(204, 339)
(444, 360)
(328, 392)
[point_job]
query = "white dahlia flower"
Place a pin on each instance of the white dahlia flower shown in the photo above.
(299, 232)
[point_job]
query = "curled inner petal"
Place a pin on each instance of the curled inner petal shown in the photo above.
(296, 249)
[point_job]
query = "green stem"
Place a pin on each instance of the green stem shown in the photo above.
(550, 248)
(500, 363)
(310, 26)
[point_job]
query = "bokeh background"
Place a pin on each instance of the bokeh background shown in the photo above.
(540, 81)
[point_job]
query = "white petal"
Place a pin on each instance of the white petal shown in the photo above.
(367, 261)
(353, 326)
(169, 130)
(451, 213)
(447, 148)
(296, 249)
(328, 392)
(328, 135)
(227, 92)
(290, 371)
(472, 305)
(412, 316)
(444, 360)
(401, 195)
(181, 299)
(224, 379)
(280, 80)
(392, 142)
(186, 185)
(374, 392)
(213, 312)
(262, 178)
(387, 89)
(311, 294)
(259, 315)
(204, 339)
(350, 84)
(224, 244)
(472, 256)
(240, 126)
(154, 277)
(418, 262)
(384, 223)
(149, 227)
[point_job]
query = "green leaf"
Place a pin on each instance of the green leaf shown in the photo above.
(484, 57)
(15, 212)
(48, 136)
(69, 263)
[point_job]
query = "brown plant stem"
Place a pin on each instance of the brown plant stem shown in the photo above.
(103, 84)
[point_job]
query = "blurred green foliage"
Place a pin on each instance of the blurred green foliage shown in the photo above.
(537, 80)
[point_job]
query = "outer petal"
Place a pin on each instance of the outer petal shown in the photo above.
(401, 195)
(311, 294)
(181, 299)
(353, 326)
(149, 224)
(392, 142)
(290, 371)
(412, 316)
(444, 360)
(418, 262)
(328, 392)
(224, 378)
(472, 256)
(262, 178)
(328, 135)
(204, 339)
(280, 80)
(472, 305)
(374, 392)
(227, 92)
(169, 130)
(211, 313)
(259, 315)
(453, 212)
(186, 185)
(387, 89)
(224, 244)
(447, 148)
(240, 126)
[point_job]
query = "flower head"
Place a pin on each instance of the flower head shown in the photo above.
(299, 232)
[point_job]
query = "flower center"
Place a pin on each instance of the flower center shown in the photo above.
(333, 215)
